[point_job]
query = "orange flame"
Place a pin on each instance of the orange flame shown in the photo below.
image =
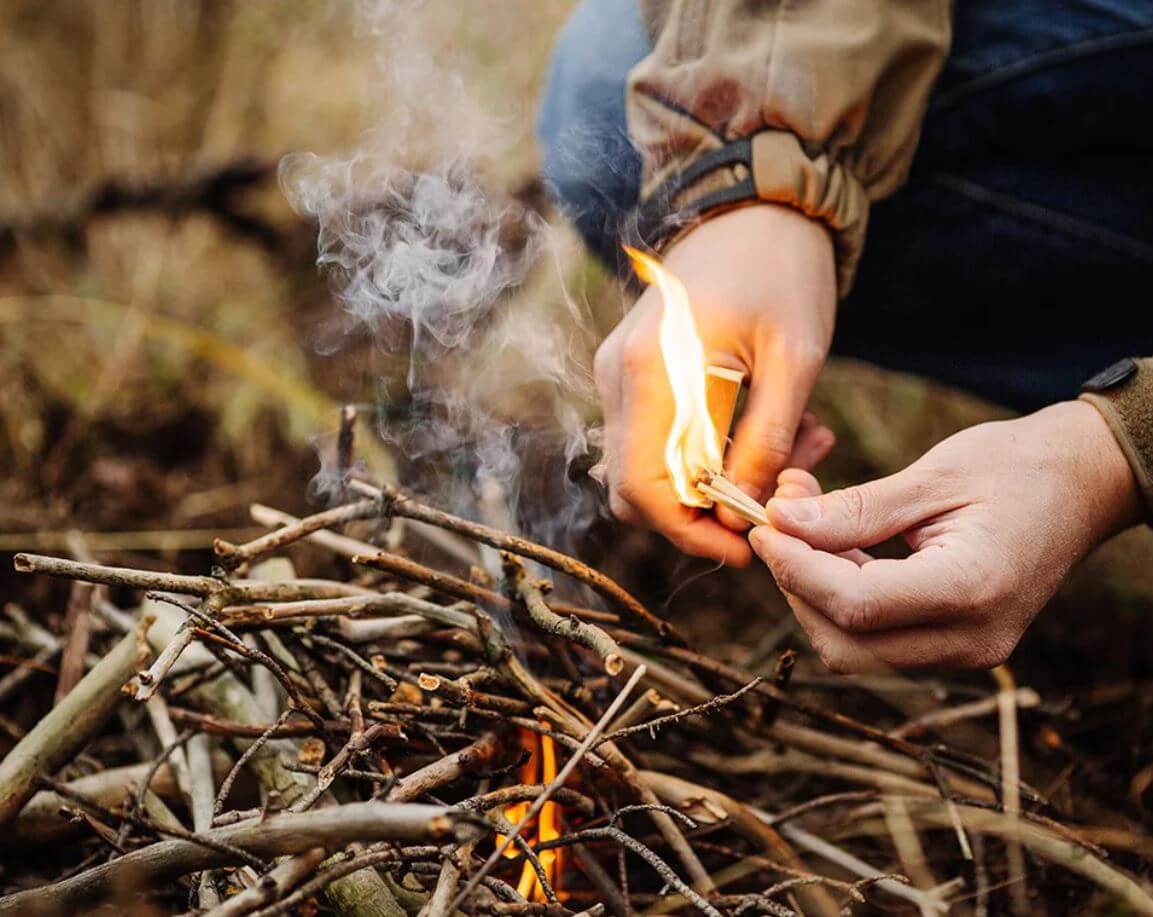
(693, 445)
(539, 768)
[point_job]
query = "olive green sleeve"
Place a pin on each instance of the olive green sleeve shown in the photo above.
(816, 105)
(1123, 394)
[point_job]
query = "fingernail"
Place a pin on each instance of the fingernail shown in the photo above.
(797, 511)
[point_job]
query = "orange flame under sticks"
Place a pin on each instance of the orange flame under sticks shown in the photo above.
(539, 768)
(693, 444)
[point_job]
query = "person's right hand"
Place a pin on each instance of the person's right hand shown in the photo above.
(763, 289)
(995, 515)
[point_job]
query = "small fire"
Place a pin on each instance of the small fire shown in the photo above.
(539, 768)
(693, 444)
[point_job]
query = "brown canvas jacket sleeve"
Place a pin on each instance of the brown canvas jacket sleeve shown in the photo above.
(1123, 394)
(815, 104)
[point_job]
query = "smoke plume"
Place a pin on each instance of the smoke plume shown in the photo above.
(459, 280)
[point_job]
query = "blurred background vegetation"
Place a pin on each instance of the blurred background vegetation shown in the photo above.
(160, 308)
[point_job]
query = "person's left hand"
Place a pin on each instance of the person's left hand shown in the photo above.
(996, 517)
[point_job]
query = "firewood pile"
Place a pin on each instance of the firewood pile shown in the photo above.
(434, 741)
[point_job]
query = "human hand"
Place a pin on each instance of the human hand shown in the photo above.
(762, 284)
(996, 517)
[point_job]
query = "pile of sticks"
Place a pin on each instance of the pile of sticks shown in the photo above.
(359, 744)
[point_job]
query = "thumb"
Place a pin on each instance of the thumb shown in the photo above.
(854, 517)
(767, 430)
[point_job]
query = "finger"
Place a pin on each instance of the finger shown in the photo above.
(703, 536)
(813, 443)
(608, 382)
(857, 517)
(795, 484)
(812, 446)
(608, 375)
(693, 532)
(624, 512)
(844, 652)
(767, 430)
(928, 587)
(908, 648)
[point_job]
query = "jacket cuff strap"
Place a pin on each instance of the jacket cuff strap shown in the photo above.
(679, 203)
(771, 166)
(1123, 394)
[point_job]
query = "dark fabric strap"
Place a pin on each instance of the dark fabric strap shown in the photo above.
(657, 218)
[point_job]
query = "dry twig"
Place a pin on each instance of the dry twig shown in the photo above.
(70, 724)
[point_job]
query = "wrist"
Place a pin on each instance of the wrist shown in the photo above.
(1102, 478)
(757, 225)
(765, 264)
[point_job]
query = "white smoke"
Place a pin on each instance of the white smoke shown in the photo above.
(453, 276)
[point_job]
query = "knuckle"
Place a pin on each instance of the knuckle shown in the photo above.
(688, 544)
(783, 572)
(830, 655)
(767, 451)
(854, 609)
(990, 588)
(620, 508)
(635, 356)
(603, 360)
(851, 504)
(626, 492)
(804, 355)
(990, 653)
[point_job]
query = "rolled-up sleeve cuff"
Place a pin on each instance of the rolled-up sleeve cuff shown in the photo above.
(770, 167)
(1124, 397)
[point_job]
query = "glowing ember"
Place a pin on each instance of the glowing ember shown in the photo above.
(539, 768)
(693, 445)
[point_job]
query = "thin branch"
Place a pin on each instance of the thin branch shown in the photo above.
(174, 830)
(230, 556)
(77, 631)
(710, 706)
(666, 872)
(234, 591)
(217, 726)
(291, 833)
(354, 657)
(245, 757)
(271, 886)
(531, 595)
(350, 866)
(570, 765)
(1011, 782)
(221, 634)
(398, 504)
(357, 743)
